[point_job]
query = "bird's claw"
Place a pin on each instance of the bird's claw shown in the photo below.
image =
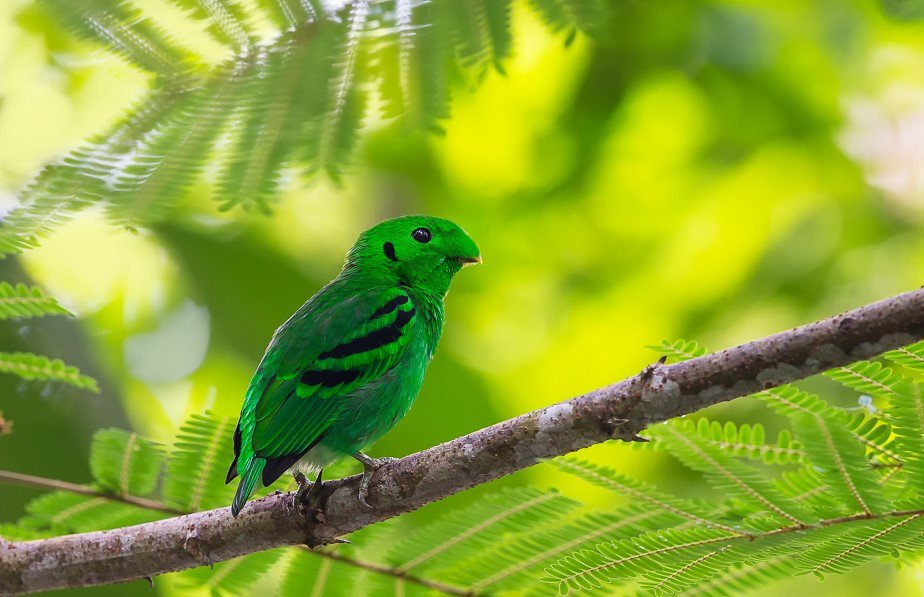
(308, 496)
(364, 491)
(370, 466)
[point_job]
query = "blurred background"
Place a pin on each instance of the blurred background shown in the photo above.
(711, 170)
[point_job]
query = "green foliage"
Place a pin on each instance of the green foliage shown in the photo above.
(233, 577)
(749, 441)
(290, 99)
(20, 301)
(468, 531)
(852, 496)
(34, 367)
(196, 468)
(836, 489)
(728, 474)
(850, 547)
(911, 357)
(867, 377)
(61, 513)
(519, 561)
(123, 29)
(570, 16)
(668, 560)
(679, 350)
(908, 422)
(124, 463)
(672, 510)
(840, 461)
(306, 573)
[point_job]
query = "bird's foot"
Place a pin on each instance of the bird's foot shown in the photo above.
(308, 496)
(370, 466)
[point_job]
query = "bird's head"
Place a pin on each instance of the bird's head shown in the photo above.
(421, 252)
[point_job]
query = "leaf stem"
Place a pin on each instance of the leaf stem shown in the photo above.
(54, 484)
(393, 572)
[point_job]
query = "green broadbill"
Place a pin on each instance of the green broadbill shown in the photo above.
(347, 366)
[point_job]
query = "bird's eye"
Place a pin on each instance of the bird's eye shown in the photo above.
(421, 235)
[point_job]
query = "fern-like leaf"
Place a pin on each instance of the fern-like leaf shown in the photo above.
(176, 151)
(568, 16)
(413, 62)
(197, 465)
(677, 510)
(334, 135)
(868, 377)
(907, 411)
(679, 350)
(125, 464)
(272, 119)
(806, 487)
(876, 434)
(748, 441)
(123, 28)
(307, 573)
(60, 513)
(21, 301)
(295, 94)
(225, 21)
(852, 546)
(84, 176)
(839, 460)
(469, 530)
(761, 569)
(648, 554)
(517, 563)
(725, 472)
(34, 367)
(911, 357)
(788, 400)
(232, 577)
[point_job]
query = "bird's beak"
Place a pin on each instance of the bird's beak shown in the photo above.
(467, 261)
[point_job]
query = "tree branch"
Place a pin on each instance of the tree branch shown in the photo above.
(620, 410)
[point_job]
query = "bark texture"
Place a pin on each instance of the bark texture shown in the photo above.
(619, 411)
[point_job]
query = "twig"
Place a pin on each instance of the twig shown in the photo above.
(54, 484)
(620, 411)
(380, 569)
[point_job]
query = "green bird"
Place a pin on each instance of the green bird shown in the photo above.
(347, 366)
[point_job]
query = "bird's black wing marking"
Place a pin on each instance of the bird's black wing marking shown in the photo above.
(232, 470)
(390, 306)
(276, 467)
(373, 340)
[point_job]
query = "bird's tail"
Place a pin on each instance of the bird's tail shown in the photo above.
(248, 484)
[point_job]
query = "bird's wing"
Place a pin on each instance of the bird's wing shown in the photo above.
(317, 359)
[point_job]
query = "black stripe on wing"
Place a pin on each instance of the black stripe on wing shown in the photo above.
(276, 467)
(232, 470)
(373, 340)
(390, 306)
(330, 378)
